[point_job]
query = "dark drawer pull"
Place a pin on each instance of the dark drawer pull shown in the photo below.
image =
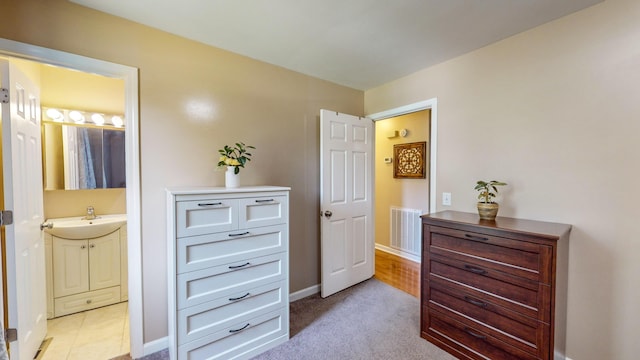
(209, 204)
(244, 233)
(475, 270)
(238, 298)
(475, 335)
(475, 302)
(236, 330)
(263, 201)
(238, 266)
(473, 237)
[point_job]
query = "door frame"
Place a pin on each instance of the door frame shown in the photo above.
(132, 148)
(431, 104)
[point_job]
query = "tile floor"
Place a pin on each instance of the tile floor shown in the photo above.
(98, 334)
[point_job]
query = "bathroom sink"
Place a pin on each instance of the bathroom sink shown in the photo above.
(78, 228)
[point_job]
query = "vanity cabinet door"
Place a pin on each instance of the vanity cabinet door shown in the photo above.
(70, 270)
(104, 261)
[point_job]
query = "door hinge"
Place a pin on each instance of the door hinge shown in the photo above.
(6, 217)
(10, 335)
(4, 96)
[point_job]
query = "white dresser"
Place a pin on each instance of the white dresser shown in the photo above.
(228, 261)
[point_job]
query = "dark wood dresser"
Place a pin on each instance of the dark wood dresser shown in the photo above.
(494, 289)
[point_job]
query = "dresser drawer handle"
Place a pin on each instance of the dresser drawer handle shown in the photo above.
(473, 237)
(475, 302)
(209, 204)
(239, 298)
(238, 266)
(236, 330)
(264, 201)
(475, 270)
(244, 233)
(475, 335)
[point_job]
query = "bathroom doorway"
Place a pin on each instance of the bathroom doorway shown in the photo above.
(124, 200)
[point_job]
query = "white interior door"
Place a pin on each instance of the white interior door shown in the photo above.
(25, 276)
(346, 171)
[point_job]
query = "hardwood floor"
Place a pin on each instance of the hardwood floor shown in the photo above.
(398, 272)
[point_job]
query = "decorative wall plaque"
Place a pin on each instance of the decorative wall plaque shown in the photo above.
(409, 160)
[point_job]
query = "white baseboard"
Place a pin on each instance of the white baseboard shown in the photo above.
(301, 294)
(155, 346)
(400, 253)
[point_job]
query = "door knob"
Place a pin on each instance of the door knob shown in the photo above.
(328, 213)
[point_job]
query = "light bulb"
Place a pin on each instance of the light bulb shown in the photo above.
(55, 115)
(97, 119)
(117, 121)
(76, 116)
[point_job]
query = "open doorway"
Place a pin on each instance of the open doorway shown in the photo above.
(401, 198)
(129, 77)
(400, 201)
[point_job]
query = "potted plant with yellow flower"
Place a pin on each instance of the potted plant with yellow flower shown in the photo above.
(234, 158)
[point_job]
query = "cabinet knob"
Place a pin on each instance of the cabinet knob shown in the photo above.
(83, 246)
(92, 246)
(89, 301)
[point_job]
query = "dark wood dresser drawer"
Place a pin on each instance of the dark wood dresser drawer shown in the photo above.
(494, 290)
(523, 294)
(519, 258)
(470, 341)
(483, 309)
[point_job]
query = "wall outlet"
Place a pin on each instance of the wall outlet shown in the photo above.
(446, 198)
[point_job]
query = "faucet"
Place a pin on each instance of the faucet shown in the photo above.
(91, 214)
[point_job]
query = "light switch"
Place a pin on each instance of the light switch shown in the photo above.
(446, 198)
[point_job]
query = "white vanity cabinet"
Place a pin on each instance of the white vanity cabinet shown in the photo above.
(228, 271)
(85, 274)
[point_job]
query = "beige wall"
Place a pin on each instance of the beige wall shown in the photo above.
(404, 193)
(553, 112)
(193, 100)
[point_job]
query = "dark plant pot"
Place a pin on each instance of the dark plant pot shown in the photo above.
(487, 211)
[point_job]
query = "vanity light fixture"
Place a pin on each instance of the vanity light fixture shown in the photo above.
(79, 117)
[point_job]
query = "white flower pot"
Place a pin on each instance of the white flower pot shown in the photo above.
(231, 179)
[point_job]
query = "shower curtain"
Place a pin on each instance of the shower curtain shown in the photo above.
(86, 173)
(3, 345)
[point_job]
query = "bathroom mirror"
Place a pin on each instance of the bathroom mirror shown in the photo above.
(82, 157)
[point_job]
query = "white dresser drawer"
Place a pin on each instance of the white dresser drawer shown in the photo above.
(207, 318)
(86, 301)
(242, 340)
(200, 286)
(206, 216)
(203, 251)
(263, 211)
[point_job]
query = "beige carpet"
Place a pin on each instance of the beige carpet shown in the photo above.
(368, 321)
(371, 320)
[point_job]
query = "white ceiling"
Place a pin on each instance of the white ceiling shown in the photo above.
(358, 43)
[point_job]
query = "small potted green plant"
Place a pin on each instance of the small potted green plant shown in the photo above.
(487, 208)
